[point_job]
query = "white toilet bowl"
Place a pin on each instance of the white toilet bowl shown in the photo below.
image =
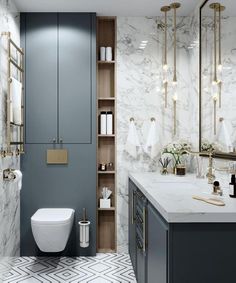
(51, 228)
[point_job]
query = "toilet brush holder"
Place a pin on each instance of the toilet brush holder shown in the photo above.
(84, 231)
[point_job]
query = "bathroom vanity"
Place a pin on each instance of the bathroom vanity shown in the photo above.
(174, 238)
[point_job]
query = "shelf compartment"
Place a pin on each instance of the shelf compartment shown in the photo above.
(107, 180)
(106, 98)
(106, 151)
(106, 230)
(106, 80)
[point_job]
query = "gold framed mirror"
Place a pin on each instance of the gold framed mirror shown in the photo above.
(217, 78)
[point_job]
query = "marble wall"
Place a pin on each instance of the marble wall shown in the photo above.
(9, 195)
(140, 94)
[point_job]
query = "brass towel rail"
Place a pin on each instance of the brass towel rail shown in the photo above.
(19, 74)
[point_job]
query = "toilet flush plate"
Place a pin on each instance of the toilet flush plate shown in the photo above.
(57, 156)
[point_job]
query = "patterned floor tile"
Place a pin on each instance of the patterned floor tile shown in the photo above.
(104, 268)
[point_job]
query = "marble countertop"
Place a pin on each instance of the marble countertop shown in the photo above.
(172, 197)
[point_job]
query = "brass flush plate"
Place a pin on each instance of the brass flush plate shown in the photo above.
(57, 156)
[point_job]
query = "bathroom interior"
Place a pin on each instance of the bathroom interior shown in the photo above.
(117, 146)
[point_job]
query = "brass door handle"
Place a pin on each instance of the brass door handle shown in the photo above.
(132, 207)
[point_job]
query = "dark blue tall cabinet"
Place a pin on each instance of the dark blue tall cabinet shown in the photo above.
(60, 112)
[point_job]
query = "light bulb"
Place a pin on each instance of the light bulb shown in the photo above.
(214, 82)
(174, 83)
(165, 67)
(175, 97)
(220, 67)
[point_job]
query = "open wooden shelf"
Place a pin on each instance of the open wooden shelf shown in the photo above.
(106, 136)
(106, 62)
(106, 144)
(104, 209)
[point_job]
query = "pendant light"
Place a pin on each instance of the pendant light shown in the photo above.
(165, 9)
(175, 6)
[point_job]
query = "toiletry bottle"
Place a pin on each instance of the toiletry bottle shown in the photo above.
(232, 187)
(109, 123)
(103, 123)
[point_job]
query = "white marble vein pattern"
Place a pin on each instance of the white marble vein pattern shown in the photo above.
(139, 85)
(9, 195)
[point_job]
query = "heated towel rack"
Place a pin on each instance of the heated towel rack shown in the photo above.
(14, 69)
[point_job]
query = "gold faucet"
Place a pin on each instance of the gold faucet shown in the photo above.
(210, 170)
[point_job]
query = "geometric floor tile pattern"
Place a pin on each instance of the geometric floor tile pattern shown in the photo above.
(103, 268)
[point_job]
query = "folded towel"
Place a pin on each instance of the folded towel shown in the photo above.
(15, 101)
(132, 146)
(151, 147)
(223, 137)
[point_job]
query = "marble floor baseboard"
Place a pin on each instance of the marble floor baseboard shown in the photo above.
(104, 268)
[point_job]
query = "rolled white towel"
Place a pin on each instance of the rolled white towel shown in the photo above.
(151, 147)
(132, 146)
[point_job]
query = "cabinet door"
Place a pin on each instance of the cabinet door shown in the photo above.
(157, 247)
(132, 231)
(76, 62)
(40, 42)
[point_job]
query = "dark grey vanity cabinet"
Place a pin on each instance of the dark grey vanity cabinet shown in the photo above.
(157, 243)
(132, 228)
(59, 63)
(184, 252)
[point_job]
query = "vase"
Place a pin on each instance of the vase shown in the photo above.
(180, 170)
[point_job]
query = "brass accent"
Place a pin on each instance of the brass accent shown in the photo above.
(165, 9)
(175, 6)
(132, 208)
(220, 92)
(165, 92)
(57, 156)
(215, 6)
(214, 101)
(175, 110)
(210, 175)
(20, 71)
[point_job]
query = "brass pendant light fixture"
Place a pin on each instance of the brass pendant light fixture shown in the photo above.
(165, 9)
(217, 80)
(175, 6)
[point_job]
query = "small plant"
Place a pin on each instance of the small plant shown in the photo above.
(177, 149)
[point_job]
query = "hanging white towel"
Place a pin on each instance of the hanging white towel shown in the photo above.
(132, 146)
(223, 137)
(15, 101)
(151, 147)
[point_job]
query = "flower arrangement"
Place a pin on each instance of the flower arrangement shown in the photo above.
(209, 147)
(177, 149)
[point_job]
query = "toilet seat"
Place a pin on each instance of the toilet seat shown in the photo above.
(51, 216)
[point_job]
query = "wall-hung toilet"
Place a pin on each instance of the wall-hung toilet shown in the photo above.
(51, 228)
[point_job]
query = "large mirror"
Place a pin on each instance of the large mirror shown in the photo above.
(218, 77)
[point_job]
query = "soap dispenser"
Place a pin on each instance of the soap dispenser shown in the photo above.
(232, 187)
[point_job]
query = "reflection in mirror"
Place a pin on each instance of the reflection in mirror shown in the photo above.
(218, 76)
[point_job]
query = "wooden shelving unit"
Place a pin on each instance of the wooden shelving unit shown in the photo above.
(106, 144)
